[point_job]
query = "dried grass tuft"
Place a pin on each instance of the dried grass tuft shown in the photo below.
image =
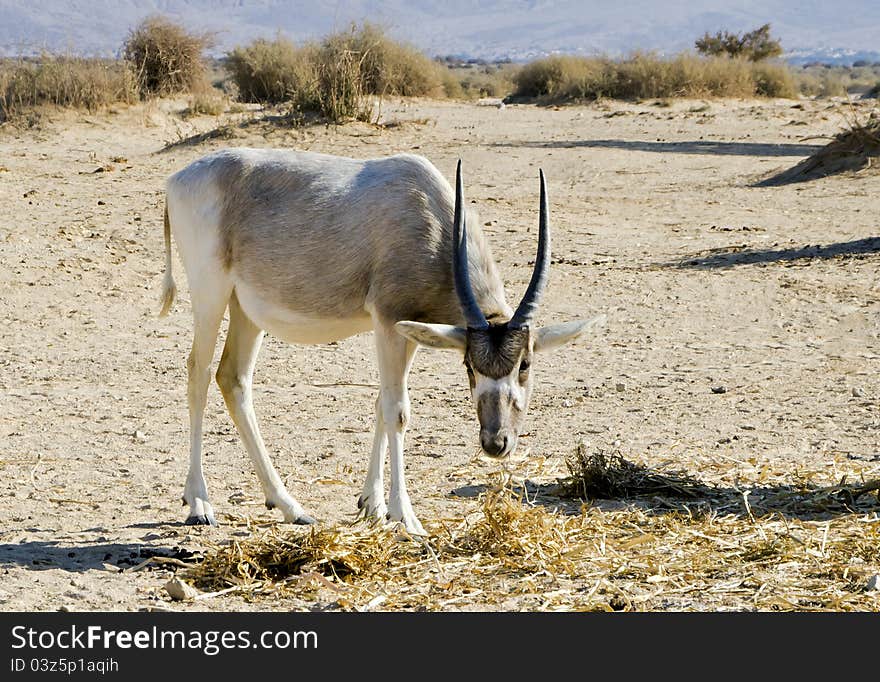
(609, 476)
(276, 556)
(855, 148)
(769, 544)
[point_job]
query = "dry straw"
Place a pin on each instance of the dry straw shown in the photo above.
(668, 541)
(856, 148)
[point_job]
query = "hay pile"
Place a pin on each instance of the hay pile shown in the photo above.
(856, 148)
(677, 544)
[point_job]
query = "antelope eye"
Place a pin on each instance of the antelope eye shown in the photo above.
(469, 370)
(524, 366)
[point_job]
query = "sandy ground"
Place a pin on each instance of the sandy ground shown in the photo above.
(706, 280)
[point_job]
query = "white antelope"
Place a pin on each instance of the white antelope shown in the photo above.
(315, 248)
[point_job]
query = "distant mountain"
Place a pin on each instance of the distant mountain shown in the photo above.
(490, 29)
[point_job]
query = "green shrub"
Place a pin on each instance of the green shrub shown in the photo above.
(755, 45)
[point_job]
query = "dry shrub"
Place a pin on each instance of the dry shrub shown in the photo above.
(59, 80)
(270, 71)
(561, 77)
(338, 93)
(386, 67)
(853, 149)
(600, 475)
(337, 76)
(166, 59)
(208, 102)
(473, 81)
(824, 83)
(646, 76)
(774, 80)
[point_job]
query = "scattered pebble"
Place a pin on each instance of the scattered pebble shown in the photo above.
(621, 387)
(719, 389)
(873, 584)
(857, 392)
(180, 591)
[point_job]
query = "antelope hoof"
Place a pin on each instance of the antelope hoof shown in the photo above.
(201, 513)
(404, 514)
(290, 509)
(201, 520)
(372, 507)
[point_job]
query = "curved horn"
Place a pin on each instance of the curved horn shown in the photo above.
(472, 313)
(529, 304)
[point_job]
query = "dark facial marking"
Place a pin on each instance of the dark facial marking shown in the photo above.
(495, 352)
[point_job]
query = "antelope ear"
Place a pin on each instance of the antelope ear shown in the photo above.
(555, 335)
(433, 335)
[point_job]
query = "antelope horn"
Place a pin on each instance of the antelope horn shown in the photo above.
(472, 313)
(528, 307)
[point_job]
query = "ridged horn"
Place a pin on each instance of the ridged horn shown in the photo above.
(528, 307)
(472, 313)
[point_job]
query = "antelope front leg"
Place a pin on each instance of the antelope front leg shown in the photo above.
(395, 355)
(372, 499)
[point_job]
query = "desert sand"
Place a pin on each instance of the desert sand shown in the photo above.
(769, 295)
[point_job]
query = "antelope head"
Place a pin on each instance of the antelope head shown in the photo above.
(498, 356)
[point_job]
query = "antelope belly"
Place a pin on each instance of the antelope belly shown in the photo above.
(296, 327)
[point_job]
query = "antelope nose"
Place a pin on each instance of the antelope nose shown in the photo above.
(494, 444)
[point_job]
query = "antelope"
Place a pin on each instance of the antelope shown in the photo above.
(315, 248)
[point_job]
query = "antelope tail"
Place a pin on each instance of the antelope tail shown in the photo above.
(169, 289)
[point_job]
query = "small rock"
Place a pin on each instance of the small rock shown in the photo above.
(857, 392)
(567, 403)
(140, 436)
(180, 591)
(873, 583)
(621, 387)
(719, 389)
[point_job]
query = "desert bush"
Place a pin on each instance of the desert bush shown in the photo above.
(563, 77)
(826, 80)
(337, 76)
(270, 71)
(472, 81)
(774, 80)
(50, 79)
(339, 93)
(165, 58)
(644, 75)
(387, 67)
(453, 87)
(754, 45)
(209, 102)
